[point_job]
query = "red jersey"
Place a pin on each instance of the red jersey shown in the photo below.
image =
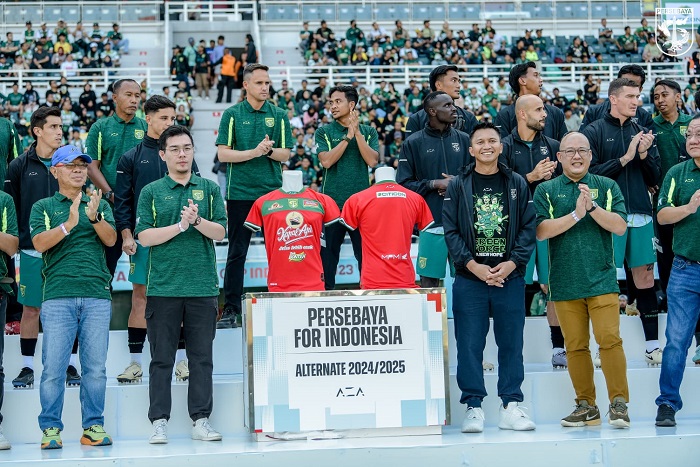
(292, 224)
(385, 213)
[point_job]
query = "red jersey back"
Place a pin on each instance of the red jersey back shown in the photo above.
(292, 224)
(385, 213)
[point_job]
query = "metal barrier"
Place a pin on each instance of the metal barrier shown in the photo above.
(155, 78)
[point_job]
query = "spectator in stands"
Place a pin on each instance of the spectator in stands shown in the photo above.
(106, 105)
(252, 54)
(558, 100)
(68, 117)
(190, 52)
(651, 52)
(80, 39)
(41, 59)
(309, 175)
(62, 43)
(19, 65)
(378, 35)
(304, 37)
(400, 36)
(577, 52)
(118, 41)
(14, 103)
(29, 33)
(571, 120)
(591, 89)
(627, 42)
(97, 36)
(88, 99)
(202, 69)
(179, 67)
(58, 58)
(30, 94)
(645, 31)
(9, 47)
(69, 67)
(323, 34)
(44, 33)
(605, 34)
(94, 54)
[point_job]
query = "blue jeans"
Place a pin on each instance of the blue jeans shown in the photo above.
(61, 320)
(683, 294)
(472, 302)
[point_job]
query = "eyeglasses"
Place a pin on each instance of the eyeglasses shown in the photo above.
(73, 166)
(581, 152)
(175, 150)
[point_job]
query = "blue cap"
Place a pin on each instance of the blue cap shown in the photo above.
(67, 154)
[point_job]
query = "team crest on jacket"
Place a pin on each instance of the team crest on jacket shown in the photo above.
(455, 147)
(270, 122)
(422, 262)
(138, 134)
(543, 150)
(198, 195)
(293, 203)
(594, 193)
(513, 193)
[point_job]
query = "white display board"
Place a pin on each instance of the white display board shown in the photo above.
(346, 360)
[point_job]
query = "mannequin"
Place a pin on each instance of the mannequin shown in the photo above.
(384, 174)
(292, 181)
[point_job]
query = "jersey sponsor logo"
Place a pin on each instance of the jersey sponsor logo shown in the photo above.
(396, 256)
(455, 147)
(167, 198)
(114, 134)
(543, 150)
(32, 174)
(144, 161)
(274, 206)
(310, 204)
(297, 257)
(198, 195)
(513, 193)
(246, 122)
(391, 194)
(269, 122)
(609, 140)
(594, 193)
(430, 150)
(138, 134)
(689, 180)
(296, 229)
(293, 203)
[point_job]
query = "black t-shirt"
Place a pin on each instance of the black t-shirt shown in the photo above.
(106, 107)
(490, 218)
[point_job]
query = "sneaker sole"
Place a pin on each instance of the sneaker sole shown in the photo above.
(529, 428)
(53, 444)
(129, 380)
(210, 438)
(181, 378)
(72, 384)
(106, 441)
(5, 446)
(619, 423)
(595, 422)
(666, 422)
(472, 430)
(158, 441)
(23, 386)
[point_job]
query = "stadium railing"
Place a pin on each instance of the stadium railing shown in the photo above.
(155, 78)
(573, 73)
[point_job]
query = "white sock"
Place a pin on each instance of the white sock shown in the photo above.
(556, 350)
(136, 358)
(652, 345)
(73, 360)
(180, 355)
(28, 361)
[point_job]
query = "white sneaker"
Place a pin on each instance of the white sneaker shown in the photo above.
(160, 432)
(4, 443)
(654, 357)
(182, 371)
(132, 374)
(513, 418)
(487, 366)
(203, 431)
(474, 420)
(596, 360)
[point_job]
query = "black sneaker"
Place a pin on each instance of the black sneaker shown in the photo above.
(227, 320)
(25, 379)
(665, 416)
(72, 376)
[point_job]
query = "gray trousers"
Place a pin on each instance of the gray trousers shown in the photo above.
(164, 316)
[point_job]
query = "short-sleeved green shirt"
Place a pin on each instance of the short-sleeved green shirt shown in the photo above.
(242, 128)
(76, 266)
(111, 137)
(581, 260)
(681, 181)
(8, 223)
(670, 137)
(184, 266)
(350, 174)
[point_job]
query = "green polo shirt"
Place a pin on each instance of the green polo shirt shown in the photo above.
(111, 137)
(681, 181)
(184, 266)
(8, 223)
(350, 174)
(670, 137)
(243, 128)
(76, 266)
(9, 145)
(581, 260)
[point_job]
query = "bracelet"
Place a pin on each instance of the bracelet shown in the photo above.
(65, 231)
(432, 184)
(576, 218)
(179, 226)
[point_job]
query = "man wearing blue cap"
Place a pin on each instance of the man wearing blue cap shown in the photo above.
(71, 229)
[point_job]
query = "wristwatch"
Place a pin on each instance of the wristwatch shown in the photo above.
(197, 221)
(108, 195)
(593, 207)
(269, 153)
(346, 139)
(98, 218)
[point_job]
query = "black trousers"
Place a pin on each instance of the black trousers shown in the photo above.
(334, 236)
(197, 315)
(238, 243)
(664, 258)
(227, 82)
